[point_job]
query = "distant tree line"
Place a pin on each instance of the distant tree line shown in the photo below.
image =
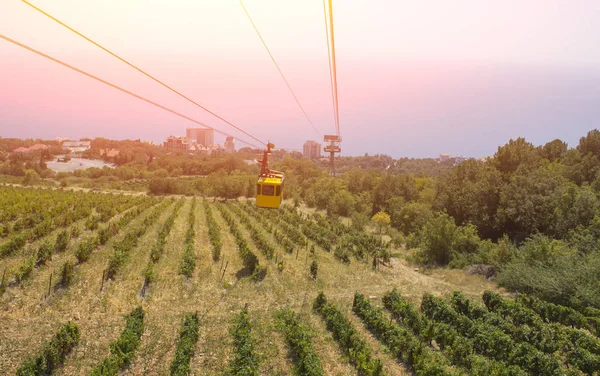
(530, 212)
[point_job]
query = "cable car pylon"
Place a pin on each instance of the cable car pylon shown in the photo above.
(333, 141)
(332, 148)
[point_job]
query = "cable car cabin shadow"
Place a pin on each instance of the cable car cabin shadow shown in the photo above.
(269, 192)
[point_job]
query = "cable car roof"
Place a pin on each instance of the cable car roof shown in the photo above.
(270, 180)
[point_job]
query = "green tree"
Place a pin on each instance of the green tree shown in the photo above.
(581, 168)
(359, 221)
(514, 154)
(436, 239)
(553, 150)
(575, 207)
(391, 185)
(470, 193)
(410, 217)
(528, 203)
(31, 177)
(381, 220)
(590, 144)
(343, 203)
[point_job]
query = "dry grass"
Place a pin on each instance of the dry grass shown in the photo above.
(26, 321)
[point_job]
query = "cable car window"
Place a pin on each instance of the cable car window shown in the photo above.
(278, 190)
(258, 189)
(268, 190)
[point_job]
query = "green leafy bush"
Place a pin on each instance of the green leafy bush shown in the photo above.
(459, 349)
(245, 360)
(24, 270)
(188, 263)
(62, 241)
(84, 250)
(53, 354)
(214, 234)
(402, 343)
(249, 259)
(15, 243)
(130, 241)
(43, 254)
(67, 272)
(314, 269)
(188, 336)
(355, 347)
(122, 349)
(298, 337)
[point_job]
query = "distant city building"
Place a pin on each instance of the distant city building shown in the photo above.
(456, 159)
(31, 149)
(176, 143)
(229, 144)
(38, 147)
(60, 140)
(312, 150)
(199, 149)
(21, 150)
(109, 153)
(77, 146)
(201, 136)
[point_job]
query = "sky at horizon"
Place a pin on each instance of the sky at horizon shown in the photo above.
(415, 79)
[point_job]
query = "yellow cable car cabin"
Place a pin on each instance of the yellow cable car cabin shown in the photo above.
(269, 191)
(269, 188)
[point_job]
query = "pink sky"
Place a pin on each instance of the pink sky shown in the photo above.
(414, 77)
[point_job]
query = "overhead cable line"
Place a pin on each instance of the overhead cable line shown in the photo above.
(121, 89)
(329, 61)
(279, 69)
(143, 72)
(335, 88)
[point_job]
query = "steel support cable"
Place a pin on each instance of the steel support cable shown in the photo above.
(142, 71)
(329, 61)
(279, 69)
(121, 89)
(337, 109)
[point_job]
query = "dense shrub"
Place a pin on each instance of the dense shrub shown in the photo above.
(67, 272)
(43, 254)
(402, 343)
(571, 280)
(257, 236)
(15, 243)
(214, 234)
(122, 349)
(347, 337)
(249, 259)
(188, 263)
(188, 336)
(62, 241)
(459, 349)
(130, 241)
(53, 354)
(314, 269)
(298, 336)
(245, 360)
(24, 270)
(84, 250)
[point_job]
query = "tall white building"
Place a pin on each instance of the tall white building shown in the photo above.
(312, 150)
(229, 144)
(201, 136)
